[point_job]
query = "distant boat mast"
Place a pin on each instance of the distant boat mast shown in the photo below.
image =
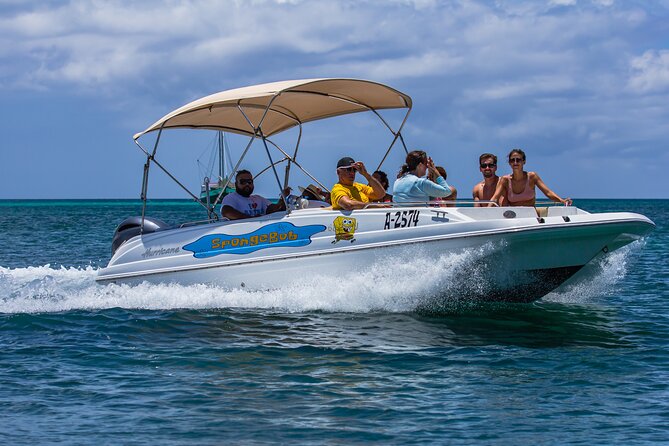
(224, 160)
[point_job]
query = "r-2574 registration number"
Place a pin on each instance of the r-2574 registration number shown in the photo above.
(401, 219)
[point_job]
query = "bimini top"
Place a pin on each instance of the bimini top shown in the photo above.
(288, 103)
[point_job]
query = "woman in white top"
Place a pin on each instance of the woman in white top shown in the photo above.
(412, 186)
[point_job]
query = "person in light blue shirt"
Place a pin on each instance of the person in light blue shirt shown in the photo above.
(412, 186)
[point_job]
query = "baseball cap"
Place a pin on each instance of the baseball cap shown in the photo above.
(345, 162)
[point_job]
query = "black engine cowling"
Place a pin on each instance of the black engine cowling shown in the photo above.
(131, 226)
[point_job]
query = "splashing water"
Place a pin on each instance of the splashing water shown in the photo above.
(598, 278)
(401, 281)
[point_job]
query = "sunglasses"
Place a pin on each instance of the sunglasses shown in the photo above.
(488, 165)
(245, 181)
(515, 160)
(347, 169)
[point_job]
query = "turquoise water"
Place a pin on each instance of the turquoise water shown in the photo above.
(344, 363)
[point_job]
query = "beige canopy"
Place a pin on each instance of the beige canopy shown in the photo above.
(290, 103)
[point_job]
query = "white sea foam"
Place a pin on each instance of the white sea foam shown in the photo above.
(398, 282)
(598, 278)
(403, 281)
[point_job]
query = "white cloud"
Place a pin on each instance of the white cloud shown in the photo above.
(95, 43)
(511, 70)
(410, 66)
(562, 2)
(650, 71)
(539, 85)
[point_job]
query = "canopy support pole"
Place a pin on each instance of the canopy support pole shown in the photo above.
(241, 158)
(397, 134)
(145, 179)
(291, 160)
(276, 174)
(179, 184)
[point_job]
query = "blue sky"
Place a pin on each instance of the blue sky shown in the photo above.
(581, 85)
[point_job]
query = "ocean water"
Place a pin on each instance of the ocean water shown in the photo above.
(343, 362)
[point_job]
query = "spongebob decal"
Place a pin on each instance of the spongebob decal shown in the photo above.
(271, 236)
(344, 228)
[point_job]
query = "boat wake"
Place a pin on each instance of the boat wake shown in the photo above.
(401, 281)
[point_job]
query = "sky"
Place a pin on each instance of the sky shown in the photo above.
(582, 86)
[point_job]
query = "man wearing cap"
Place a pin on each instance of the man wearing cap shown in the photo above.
(347, 194)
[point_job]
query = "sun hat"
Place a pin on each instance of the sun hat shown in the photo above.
(313, 190)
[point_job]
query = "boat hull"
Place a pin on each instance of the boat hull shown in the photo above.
(516, 255)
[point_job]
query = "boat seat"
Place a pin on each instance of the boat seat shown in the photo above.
(542, 211)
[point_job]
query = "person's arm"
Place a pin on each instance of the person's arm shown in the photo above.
(432, 189)
(500, 191)
(379, 191)
(279, 205)
(232, 214)
(347, 203)
(276, 207)
(475, 195)
(547, 192)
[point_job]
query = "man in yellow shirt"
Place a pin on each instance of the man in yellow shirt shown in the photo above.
(347, 194)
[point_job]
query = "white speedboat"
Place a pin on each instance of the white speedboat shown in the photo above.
(528, 251)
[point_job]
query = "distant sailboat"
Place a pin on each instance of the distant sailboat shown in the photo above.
(213, 187)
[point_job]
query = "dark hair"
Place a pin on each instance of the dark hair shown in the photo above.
(488, 155)
(384, 179)
(442, 171)
(414, 158)
(242, 172)
(518, 151)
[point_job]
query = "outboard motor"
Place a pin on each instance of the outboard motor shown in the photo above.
(131, 226)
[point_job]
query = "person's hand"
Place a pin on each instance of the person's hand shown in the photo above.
(360, 167)
(567, 201)
(433, 173)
